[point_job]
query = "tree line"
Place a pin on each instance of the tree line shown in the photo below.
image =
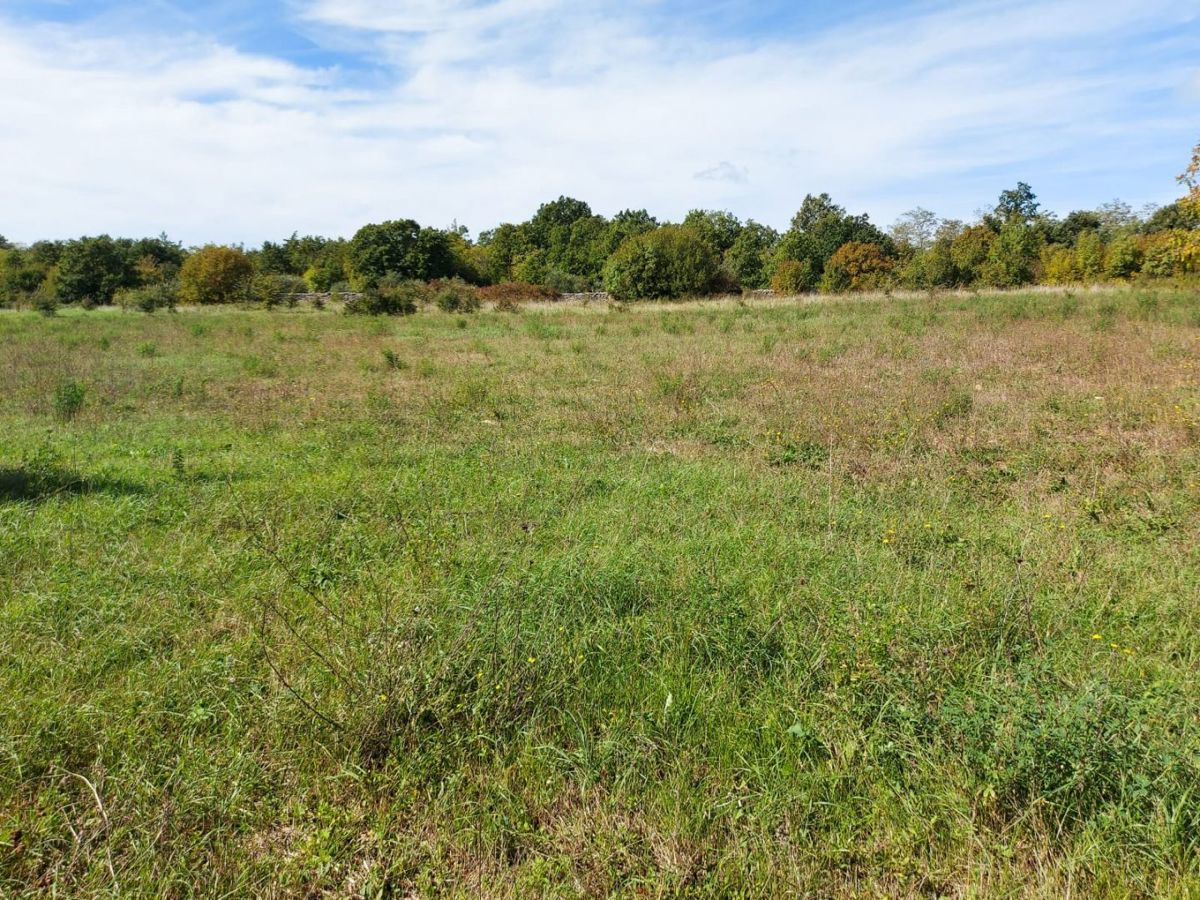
(566, 247)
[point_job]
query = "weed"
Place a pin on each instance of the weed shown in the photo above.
(69, 398)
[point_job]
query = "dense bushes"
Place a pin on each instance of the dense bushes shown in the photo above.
(672, 261)
(215, 275)
(399, 248)
(857, 266)
(793, 277)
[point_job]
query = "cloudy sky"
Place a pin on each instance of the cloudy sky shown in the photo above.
(236, 121)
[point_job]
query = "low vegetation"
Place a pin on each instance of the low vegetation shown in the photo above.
(879, 596)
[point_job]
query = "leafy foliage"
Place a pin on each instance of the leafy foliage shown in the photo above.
(857, 266)
(215, 274)
(672, 261)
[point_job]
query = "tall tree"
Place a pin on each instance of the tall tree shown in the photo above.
(1020, 204)
(1191, 180)
(916, 228)
(820, 227)
(400, 248)
(92, 269)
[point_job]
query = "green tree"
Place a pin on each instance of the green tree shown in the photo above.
(92, 269)
(215, 274)
(401, 248)
(969, 251)
(747, 261)
(820, 227)
(718, 227)
(1020, 204)
(503, 247)
(20, 273)
(1012, 255)
(1124, 258)
(672, 261)
(1078, 221)
(330, 267)
(630, 223)
(1171, 217)
(916, 228)
(1089, 256)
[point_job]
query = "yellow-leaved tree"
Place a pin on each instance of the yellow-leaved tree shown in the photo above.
(1189, 241)
(1191, 179)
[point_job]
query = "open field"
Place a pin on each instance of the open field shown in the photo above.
(862, 597)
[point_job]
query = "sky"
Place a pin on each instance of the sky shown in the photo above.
(226, 121)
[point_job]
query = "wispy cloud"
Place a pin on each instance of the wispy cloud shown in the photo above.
(478, 111)
(724, 171)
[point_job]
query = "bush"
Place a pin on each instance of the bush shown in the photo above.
(793, 277)
(271, 290)
(215, 274)
(857, 266)
(149, 298)
(1059, 265)
(68, 400)
(1012, 256)
(392, 298)
(1089, 254)
(455, 296)
(518, 292)
(1124, 258)
(672, 261)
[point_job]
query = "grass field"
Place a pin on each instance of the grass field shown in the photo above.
(843, 597)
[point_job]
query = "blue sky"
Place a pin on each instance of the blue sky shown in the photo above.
(233, 121)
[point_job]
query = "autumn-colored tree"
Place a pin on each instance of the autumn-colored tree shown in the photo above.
(792, 277)
(969, 250)
(1059, 265)
(215, 274)
(1089, 255)
(1124, 259)
(1191, 180)
(857, 266)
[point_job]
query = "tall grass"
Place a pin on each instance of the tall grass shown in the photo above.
(861, 596)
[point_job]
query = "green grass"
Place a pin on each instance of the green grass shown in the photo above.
(849, 597)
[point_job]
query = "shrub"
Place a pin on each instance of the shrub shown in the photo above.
(455, 296)
(1124, 258)
(857, 266)
(672, 261)
(394, 298)
(1089, 253)
(149, 298)
(271, 290)
(1161, 254)
(512, 293)
(215, 274)
(793, 277)
(1012, 255)
(969, 251)
(91, 270)
(1059, 265)
(45, 302)
(68, 400)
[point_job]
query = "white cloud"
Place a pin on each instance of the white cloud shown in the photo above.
(494, 107)
(724, 171)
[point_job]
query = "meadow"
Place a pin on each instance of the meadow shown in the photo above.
(839, 597)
